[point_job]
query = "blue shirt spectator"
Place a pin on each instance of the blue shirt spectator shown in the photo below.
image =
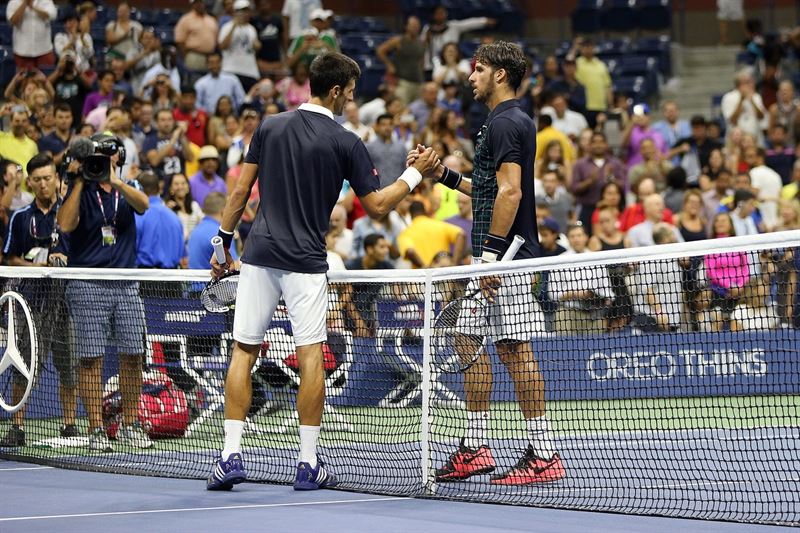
(200, 248)
(215, 84)
(159, 232)
(672, 128)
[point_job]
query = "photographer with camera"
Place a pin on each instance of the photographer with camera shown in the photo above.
(98, 214)
(34, 240)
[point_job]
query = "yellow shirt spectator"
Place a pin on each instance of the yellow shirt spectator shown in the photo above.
(548, 134)
(17, 150)
(790, 191)
(448, 205)
(425, 237)
(593, 75)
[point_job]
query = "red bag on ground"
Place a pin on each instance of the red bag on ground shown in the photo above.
(163, 410)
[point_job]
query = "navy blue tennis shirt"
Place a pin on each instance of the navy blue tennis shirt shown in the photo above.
(303, 158)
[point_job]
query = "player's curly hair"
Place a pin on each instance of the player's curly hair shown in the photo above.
(506, 56)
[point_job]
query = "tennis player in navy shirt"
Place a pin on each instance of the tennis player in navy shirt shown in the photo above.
(300, 159)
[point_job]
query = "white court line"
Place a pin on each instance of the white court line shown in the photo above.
(193, 509)
(26, 468)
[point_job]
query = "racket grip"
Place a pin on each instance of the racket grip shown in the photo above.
(219, 250)
(513, 248)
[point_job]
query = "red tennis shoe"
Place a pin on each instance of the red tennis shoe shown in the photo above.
(466, 462)
(532, 469)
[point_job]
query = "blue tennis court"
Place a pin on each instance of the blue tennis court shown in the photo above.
(39, 498)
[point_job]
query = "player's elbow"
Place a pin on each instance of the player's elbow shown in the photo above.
(510, 194)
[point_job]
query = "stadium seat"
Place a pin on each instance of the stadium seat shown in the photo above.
(619, 15)
(169, 17)
(98, 34)
(634, 87)
(166, 34)
(586, 17)
(656, 47)
(646, 67)
(467, 47)
(655, 15)
(5, 34)
(3, 8)
(147, 17)
(7, 67)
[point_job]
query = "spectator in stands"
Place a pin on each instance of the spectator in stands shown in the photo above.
(389, 226)
(57, 141)
(34, 240)
(238, 40)
(339, 238)
(729, 11)
(727, 273)
(676, 189)
(388, 154)
(118, 122)
(548, 242)
(780, 154)
(295, 89)
(407, 53)
(742, 213)
(792, 190)
(103, 94)
(167, 148)
(767, 185)
(593, 74)
(547, 134)
(608, 235)
(637, 131)
(788, 215)
(118, 67)
(654, 213)
(672, 128)
(450, 67)
(754, 312)
(196, 36)
(143, 57)
(123, 34)
(425, 237)
(70, 87)
(583, 294)
(353, 123)
(658, 303)
(241, 142)
(159, 232)
(74, 39)
(590, 175)
(743, 108)
(612, 196)
(14, 197)
(143, 126)
(15, 144)
(216, 84)
(553, 160)
(571, 123)
(359, 300)
(784, 112)
(31, 37)
(207, 180)
(196, 119)
(652, 165)
(297, 17)
(693, 152)
(569, 86)
(554, 194)
(271, 35)
(463, 219)
(314, 40)
(179, 199)
(199, 244)
(441, 31)
(370, 111)
(422, 107)
(103, 235)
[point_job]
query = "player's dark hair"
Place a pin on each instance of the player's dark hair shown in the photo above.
(42, 159)
(371, 240)
(506, 56)
(329, 70)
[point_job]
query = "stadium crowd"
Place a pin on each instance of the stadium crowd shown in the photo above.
(611, 173)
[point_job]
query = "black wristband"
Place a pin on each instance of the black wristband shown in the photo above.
(227, 238)
(495, 244)
(451, 178)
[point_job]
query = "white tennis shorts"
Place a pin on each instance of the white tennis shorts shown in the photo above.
(257, 296)
(730, 9)
(513, 316)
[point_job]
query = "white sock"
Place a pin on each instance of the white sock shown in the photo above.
(477, 422)
(309, 435)
(541, 440)
(233, 438)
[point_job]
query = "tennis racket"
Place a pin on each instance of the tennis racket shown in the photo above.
(453, 350)
(219, 294)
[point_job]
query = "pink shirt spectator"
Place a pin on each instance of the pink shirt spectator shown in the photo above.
(727, 270)
(293, 94)
(637, 136)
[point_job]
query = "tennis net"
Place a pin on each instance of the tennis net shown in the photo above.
(659, 381)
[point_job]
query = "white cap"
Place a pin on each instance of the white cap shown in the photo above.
(241, 4)
(320, 14)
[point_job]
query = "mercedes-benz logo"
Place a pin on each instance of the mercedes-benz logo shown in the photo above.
(12, 357)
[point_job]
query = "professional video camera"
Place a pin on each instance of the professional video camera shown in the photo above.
(95, 154)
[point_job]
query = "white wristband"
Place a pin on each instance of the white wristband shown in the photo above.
(488, 257)
(412, 177)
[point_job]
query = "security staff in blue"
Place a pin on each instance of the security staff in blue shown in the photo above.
(99, 216)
